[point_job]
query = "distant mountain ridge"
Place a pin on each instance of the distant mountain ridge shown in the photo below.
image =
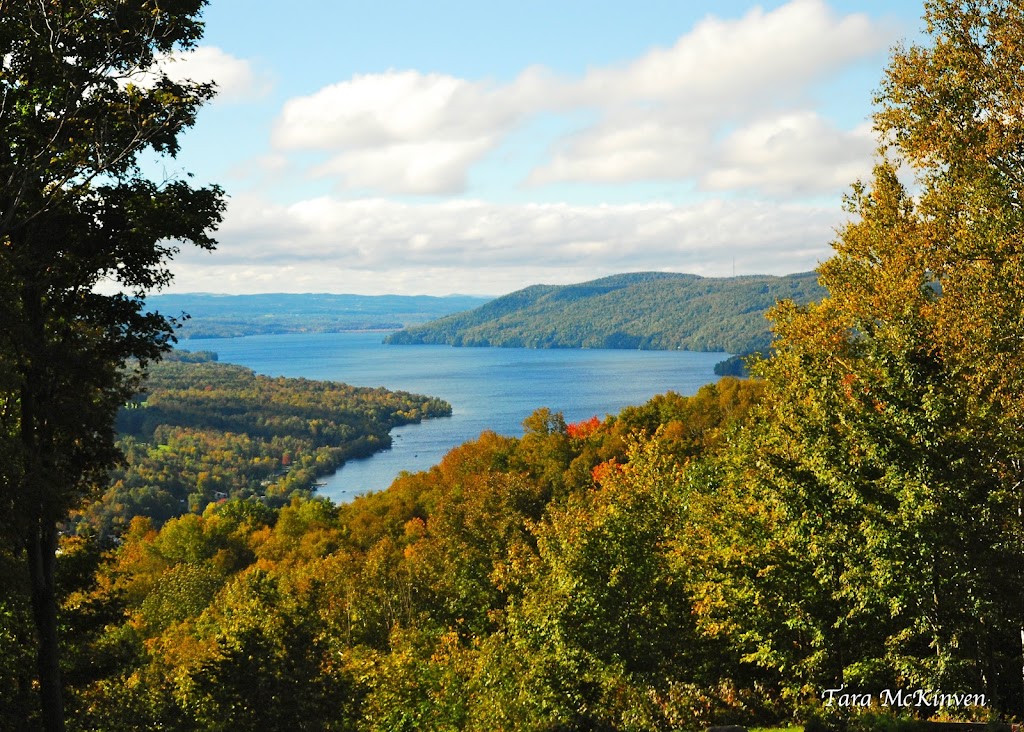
(639, 310)
(227, 316)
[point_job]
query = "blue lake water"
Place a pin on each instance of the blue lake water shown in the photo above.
(488, 388)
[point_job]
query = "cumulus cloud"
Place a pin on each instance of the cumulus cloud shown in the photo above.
(378, 245)
(658, 117)
(236, 79)
(436, 166)
(636, 145)
(389, 108)
(663, 111)
(404, 132)
(791, 154)
(741, 62)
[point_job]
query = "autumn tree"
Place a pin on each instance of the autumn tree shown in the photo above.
(82, 97)
(894, 415)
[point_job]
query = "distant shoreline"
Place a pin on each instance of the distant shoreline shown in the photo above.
(211, 337)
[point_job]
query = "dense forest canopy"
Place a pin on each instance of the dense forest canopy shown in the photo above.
(475, 595)
(648, 310)
(204, 431)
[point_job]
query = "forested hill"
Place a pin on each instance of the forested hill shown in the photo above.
(204, 431)
(645, 310)
(228, 316)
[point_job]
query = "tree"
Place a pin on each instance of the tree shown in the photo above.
(257, 662)
(604, 626)
(955, 114)
(82, 97)
(893, 428)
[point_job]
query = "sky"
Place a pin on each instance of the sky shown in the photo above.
(478, 148)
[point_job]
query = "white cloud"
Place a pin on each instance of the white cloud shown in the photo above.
(760, 55)
(664, 110)
(659, 116)
(376, 245)
(388, 108)
(790, 154)
(436, 166)
(627, 147)
(236, 79)
(401, 132)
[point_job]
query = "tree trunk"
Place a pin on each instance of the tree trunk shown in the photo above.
(41, 544)
(42, 560)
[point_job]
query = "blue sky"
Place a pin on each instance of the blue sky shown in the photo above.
(435, 148)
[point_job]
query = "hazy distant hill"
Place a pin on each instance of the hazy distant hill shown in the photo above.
(648, 310)
(226, 316)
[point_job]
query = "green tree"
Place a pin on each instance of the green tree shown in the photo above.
(604, 625)
(83, 99)
(954, 112)
(893, 413)
(260, 663)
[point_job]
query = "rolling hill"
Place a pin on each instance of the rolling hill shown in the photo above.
(641, 310)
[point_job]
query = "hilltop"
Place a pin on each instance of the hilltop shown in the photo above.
(640, 310)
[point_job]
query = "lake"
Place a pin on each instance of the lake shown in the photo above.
(488, 388)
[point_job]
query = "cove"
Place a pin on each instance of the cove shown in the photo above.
(488, 388)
